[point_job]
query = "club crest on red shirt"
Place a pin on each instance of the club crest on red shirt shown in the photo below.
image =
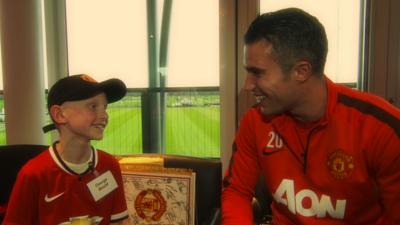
(150, 205)
(340, 164)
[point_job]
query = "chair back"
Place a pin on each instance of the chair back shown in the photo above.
(12, 158)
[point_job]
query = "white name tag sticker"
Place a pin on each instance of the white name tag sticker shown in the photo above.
(102, 185)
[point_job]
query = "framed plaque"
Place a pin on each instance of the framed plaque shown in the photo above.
(159, 196)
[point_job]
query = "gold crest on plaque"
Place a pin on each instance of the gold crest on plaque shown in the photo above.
(150, 205)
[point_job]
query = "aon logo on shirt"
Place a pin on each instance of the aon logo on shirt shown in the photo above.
(318, 207)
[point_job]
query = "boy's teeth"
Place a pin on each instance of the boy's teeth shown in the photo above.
(259, 98)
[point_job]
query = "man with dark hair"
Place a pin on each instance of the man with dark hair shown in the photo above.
(329, 154)
(294, 35)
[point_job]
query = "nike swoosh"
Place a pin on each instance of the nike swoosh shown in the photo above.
(47, 199)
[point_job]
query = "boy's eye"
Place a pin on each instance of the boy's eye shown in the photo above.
(97, 107)
(92, 106)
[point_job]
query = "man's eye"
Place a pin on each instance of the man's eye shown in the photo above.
(256, 74)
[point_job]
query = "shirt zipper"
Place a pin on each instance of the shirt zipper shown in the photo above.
(305, 156)
(305, 150)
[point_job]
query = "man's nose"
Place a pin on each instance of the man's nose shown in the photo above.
(250, 83)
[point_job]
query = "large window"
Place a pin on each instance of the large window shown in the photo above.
(342, 22)
(167, 52)
(193, 59)
(107, 39)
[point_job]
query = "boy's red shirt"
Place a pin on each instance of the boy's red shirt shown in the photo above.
(47, 193)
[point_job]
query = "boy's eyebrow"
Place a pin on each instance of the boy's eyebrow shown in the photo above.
(94, 101)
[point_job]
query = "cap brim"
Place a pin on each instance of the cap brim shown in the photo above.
(114, 89)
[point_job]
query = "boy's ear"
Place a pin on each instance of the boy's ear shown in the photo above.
(57, 114)
(303, 70)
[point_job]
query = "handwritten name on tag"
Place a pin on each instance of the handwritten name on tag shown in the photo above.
(102, 185)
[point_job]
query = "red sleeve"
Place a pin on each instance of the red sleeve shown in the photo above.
(386, 166)
(23, 203)
(120, 210)
(241, 177)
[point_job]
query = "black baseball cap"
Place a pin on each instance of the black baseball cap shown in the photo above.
(80, 87)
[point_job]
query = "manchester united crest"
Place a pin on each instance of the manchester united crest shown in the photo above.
(340, 164)
(150, 205)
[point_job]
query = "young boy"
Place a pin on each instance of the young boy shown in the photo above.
(71, 182)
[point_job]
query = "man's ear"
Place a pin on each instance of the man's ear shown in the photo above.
(57, 114)
(302, 70)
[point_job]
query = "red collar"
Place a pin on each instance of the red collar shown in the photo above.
(283, 119)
